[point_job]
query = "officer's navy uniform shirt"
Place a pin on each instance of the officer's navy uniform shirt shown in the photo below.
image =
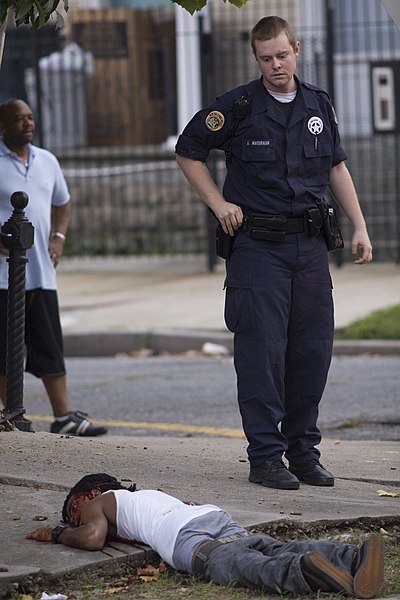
(278, 165)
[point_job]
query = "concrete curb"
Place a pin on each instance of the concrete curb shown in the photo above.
(176, 341)
(114, 559)
(348, 347)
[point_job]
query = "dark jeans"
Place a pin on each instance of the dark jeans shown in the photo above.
(260, 561)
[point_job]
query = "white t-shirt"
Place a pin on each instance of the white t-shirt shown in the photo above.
(155, 518)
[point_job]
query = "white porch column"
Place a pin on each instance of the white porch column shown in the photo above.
(188, 65)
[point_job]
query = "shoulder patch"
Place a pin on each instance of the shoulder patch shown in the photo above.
(215, 120)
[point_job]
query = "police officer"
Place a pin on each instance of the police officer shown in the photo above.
(283, 150)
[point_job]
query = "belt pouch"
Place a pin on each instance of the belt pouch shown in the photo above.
(267, 236)
(267, 228)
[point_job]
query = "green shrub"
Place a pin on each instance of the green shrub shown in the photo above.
(381, 324)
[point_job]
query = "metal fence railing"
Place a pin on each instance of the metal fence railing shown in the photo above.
(104, 94)
(134, 206)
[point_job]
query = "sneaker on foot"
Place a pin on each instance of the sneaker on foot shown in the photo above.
(77, 424)
(322, 575)
(368, 577)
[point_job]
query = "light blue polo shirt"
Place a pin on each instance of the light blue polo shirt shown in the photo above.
(45, 185)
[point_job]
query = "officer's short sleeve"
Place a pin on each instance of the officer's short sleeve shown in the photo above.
(190, 148)
(339, 154)
(208, 129)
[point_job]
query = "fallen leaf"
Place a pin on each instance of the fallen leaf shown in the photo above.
(128, 579)
(39, 518)
(150, 573)
(148, 570)
(116, 590)
(388, 494)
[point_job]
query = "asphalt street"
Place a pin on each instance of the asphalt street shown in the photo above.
(192, 394)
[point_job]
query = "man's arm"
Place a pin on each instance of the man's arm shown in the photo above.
(60, 220)
(91, 535)
(196, 172)
(344, 192)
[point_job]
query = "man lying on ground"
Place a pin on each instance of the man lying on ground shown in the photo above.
(204, 540)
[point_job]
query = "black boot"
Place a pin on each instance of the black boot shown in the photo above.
(273, 474)
(313, 473)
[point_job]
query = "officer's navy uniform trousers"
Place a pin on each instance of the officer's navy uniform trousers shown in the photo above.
(278, 293)
(279, 304)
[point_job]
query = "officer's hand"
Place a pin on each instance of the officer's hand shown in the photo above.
(230, 216)
(361, 247)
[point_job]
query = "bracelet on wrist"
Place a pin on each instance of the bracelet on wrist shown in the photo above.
(58, 234)
(56, 532)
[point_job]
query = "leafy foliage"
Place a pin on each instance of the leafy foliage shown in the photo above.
(33, 12)
(194, 5)
(381, 324)
(37, 12)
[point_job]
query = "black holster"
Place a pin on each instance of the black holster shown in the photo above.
(224, 243)
(312, 222)
(330, 226)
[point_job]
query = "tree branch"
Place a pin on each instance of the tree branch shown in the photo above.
(3, 28)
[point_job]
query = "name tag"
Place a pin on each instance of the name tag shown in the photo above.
(258, 142)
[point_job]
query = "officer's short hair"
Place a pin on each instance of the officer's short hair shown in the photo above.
(268, 28)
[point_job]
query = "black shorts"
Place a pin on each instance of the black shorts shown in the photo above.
(43, 336)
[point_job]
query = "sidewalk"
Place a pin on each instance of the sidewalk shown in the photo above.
(106, 304)
(37, 469)
(175, 304)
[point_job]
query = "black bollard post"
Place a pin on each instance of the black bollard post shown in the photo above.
(17, 236)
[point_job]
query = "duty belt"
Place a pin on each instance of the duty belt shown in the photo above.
(204, 549)
(274, 227)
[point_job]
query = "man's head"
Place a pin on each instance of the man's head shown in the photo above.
(85, 490)
(268, 28)
(17, 124)
(276, 50)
